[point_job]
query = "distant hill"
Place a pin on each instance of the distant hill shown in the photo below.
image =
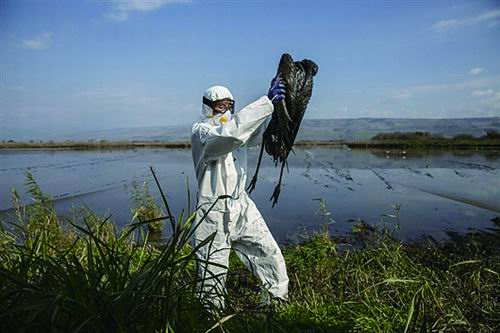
(162, 133)
(313, 129)
(366, 128)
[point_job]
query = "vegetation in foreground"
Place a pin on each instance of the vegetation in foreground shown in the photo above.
(83, 275)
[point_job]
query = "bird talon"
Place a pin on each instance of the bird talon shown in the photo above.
(276, 194)
(252, 184)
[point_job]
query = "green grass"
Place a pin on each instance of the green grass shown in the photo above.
(428, 140)
(91, 145)
(145, 207)
(84, 275)
(408, 140)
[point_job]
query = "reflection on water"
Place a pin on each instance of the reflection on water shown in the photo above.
(437, 190)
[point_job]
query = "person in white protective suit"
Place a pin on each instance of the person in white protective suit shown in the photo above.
(219, 147)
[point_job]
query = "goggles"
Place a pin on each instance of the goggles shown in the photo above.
(221, 105)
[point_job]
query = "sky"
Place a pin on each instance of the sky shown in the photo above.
(74, 66)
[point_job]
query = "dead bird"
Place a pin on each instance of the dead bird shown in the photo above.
(282, 130)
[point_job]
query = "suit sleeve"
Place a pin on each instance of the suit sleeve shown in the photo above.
(217, 141)
(256, 137)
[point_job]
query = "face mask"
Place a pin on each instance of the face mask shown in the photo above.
(221, 118)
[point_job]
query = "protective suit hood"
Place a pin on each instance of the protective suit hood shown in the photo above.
(214, 93)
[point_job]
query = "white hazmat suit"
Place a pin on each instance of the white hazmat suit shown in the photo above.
(219, 147)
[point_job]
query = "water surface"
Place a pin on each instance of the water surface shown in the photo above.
(437, 190)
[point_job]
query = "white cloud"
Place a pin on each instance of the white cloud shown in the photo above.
(487, 93)
(483, 93)
(402, 95)
(444, 26)
(476, 71)
(139, 5)
(101, 94)
(122, 8)
(12, 88)
(454, 86)
(117, 16)
(397, 96)
(40, 42)
(113, 96)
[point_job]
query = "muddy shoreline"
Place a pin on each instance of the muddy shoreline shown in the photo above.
(450, 144)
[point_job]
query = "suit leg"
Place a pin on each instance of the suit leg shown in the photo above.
(259, 251)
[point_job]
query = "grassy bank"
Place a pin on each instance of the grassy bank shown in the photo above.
(82, 274)
(399, 140)
(431, 144)
(491, 140)
(397, 144)
(95, 145)
(92, 145)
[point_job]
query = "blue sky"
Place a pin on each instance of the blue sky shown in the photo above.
(71, 66)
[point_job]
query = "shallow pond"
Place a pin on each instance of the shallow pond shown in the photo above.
(437, 191)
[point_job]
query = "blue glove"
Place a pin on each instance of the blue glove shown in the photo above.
(277, 91)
